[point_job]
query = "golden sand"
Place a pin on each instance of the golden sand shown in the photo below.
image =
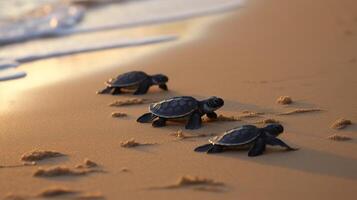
(119, 114)
(38, 155)
(62, 171)
(339, 137)
(12, 196)
(341, 123)
(127, 102)
(300, 110)
(284, 100)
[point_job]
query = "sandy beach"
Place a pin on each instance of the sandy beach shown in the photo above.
(249, 57)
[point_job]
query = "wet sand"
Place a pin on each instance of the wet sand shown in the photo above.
(268, 49)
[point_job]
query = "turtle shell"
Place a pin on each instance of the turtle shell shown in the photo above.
(128, 79)
(237, 136)
(175, 107)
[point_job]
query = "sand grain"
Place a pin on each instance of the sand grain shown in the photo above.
(62, 171)
(128, 102)
(339, 137)
(38, 155)
(284, 100)
(341, 123)
(119, 115)
(300, 110)
(132, 143)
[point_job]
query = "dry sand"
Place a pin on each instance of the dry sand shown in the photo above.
(268, 49)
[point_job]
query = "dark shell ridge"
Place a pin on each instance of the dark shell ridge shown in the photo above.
(128, 79)
(175, 107)
(237, 136)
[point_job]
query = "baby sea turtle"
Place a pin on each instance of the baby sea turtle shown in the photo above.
(247, 136)
(182, 107)
(134, 80)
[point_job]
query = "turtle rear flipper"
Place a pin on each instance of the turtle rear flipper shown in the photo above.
(258, 148)
(275, 141)
(146, 118)
(203, 148)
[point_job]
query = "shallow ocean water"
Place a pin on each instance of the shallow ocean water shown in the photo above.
(39, 29)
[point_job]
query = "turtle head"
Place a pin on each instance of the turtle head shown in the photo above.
(159, 79)
(274, 129)
(211, 104)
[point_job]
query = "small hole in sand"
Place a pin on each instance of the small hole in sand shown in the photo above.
(194, 182)
(119, 115)
(284, 100)
(124, 169)
(38, 155)
(56, 191)
(341, 123)
(348, 32)
(339, 137)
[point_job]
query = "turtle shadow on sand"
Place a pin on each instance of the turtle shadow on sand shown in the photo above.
(53, 161)
(237, 106)
(305, 160)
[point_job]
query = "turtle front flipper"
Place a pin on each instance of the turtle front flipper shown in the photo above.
(163, 86)
(194, 121)
(106, 90)
(146, 118)
(275, 141)
(203, 148)
(143, 88)
(215, 149)
(258, 147)
(116, 91)
(212, 115)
